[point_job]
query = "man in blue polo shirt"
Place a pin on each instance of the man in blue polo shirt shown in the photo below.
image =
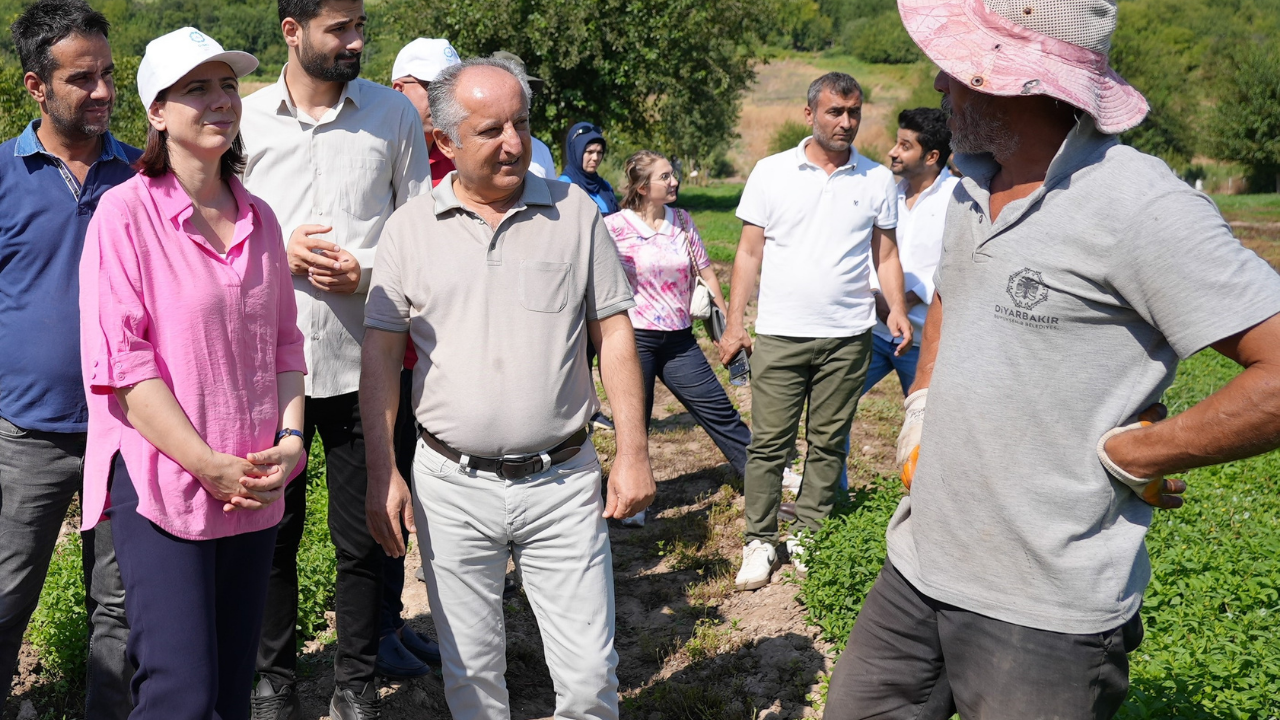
(51, 178)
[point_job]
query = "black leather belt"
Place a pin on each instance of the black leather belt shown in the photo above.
(512, 467)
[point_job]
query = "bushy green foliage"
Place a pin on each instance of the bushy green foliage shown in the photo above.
(802, 25)
(16, 106)
(668, 75)
(1246, 122)
(788, 135)
(1212, 611)
(844, 557)
(881, 39)
(59, 628)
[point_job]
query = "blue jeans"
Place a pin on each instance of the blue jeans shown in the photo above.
(883, 362)
(675, 357)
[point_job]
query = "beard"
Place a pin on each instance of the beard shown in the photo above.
(345, 67)
(830, 143)
(980, 127)
(71, 120)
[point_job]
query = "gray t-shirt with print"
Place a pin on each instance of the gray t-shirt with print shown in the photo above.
(1063, 319)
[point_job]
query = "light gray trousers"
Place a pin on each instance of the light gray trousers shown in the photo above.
(469, 525)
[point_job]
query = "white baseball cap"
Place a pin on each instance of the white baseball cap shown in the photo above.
(424, 59)
(170, 57)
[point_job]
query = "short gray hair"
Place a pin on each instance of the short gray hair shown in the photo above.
(442, 94)
(842, 84)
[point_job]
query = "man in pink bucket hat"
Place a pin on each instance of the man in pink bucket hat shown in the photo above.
(1076, 273)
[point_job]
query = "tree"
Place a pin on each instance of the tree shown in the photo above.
(669, 74)
(1246, 121)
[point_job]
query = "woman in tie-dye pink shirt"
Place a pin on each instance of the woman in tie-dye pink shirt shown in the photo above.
(659, 247)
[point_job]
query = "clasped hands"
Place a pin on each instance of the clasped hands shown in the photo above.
(252, 482)
(327, 266)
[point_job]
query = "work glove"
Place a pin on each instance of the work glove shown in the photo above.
(909, 437)
(1153, 491)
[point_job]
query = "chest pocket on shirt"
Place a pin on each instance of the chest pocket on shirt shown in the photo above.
(544, 286)
(365, 185)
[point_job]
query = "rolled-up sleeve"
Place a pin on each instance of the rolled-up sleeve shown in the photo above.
(123, 356)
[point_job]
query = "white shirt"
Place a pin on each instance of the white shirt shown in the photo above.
(815, 277)
(541, 163)
(920, 246)
(349, 170)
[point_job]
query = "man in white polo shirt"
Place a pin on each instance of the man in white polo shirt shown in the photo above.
(817, 222)
(920, 159)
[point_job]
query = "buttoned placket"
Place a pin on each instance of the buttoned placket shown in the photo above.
(313, 127)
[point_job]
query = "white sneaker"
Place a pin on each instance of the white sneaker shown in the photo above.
(791, 480)
(759, 560)
(635, 521)
(796, 551)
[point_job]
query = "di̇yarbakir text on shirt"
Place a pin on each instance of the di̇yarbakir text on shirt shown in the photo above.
(1061, 320)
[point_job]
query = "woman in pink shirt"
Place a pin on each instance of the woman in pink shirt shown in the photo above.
(193, 366)
(659, 248)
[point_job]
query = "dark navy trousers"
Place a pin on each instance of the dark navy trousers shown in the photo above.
(195, 612)
(675, 357)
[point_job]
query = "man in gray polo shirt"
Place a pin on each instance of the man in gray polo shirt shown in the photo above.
(1076, 273)
(499, 277)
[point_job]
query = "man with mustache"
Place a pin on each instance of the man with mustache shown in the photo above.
(334, 155)
(51, 178)
(819, 219)
(1076, 274)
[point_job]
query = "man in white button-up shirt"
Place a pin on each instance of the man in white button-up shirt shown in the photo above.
(333, 155)
(920, 159)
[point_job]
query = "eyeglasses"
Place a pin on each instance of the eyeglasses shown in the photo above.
(664, 177)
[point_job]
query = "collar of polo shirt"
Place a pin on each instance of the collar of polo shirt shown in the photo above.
(851, 163)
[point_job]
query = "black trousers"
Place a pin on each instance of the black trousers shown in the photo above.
(360, 559)
(912, 657)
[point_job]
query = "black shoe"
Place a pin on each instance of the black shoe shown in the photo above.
(600, 421)
(347, 704)
(396, 662)
(425, 649)
(268, 703)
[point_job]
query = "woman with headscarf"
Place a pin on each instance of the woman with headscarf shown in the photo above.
(584, 151)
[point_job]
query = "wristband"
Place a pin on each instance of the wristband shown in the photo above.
(287, 432)
(1115, 470)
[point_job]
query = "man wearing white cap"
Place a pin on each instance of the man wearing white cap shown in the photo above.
(1076, 273)
(334, 155)
(417, 65)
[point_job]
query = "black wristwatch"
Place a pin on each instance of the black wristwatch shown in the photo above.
(287, 432)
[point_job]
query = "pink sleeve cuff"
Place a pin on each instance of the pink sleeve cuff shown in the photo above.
(290, 358)
(123, 369)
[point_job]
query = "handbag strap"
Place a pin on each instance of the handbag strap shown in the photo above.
(682, 217)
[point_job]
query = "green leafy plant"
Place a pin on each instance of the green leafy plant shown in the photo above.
(59, 628)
